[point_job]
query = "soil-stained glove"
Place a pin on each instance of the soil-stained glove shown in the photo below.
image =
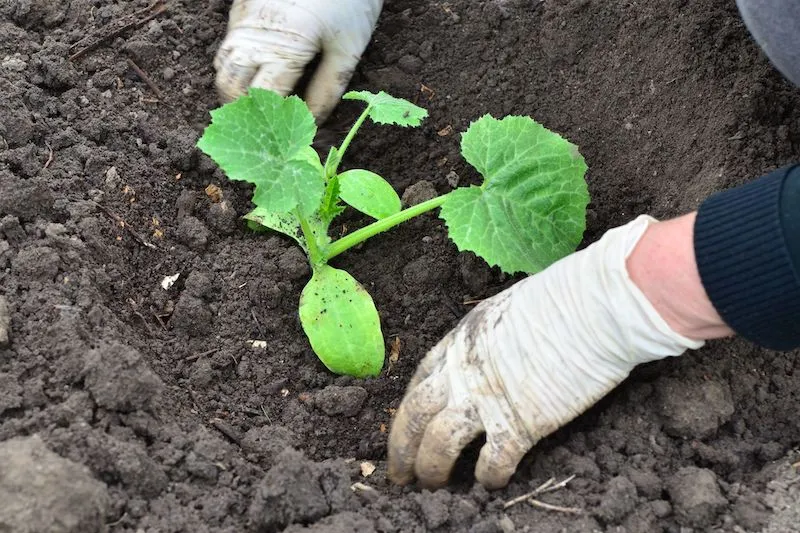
(527, 361)
(270, 42)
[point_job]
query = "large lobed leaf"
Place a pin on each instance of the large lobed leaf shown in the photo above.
(342, 323)
(530, 210)
(264, 138)
(387, 109)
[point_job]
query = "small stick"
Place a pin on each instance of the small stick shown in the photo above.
(266, 415)
(551, 507)
(199, 355)
(160, 320)
(145, 78)
(538, 490)
(226, 429)
(50, 157)
(155, 9)
(258, 324)
(125, 225)
(559, 485)
(548, 486)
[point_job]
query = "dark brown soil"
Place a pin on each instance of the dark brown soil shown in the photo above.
(191, 429)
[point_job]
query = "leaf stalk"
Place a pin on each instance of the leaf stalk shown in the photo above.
(315, 255)
(379, 226)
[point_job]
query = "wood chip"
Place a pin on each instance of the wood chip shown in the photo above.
(367, 468)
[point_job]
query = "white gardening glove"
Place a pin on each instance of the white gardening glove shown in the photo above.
(527, 361)
(270, 42)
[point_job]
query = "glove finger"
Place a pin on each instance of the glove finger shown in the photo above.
(235, 70)
(432, 362)
(247, 59)
(498, 460)
(329, 82)
(444, 439)
(416, 410)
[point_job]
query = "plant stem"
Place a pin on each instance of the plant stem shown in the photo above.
(352, 133)
(359, 236)
(315, 256)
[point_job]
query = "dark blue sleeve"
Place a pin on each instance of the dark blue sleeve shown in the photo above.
(747, 246)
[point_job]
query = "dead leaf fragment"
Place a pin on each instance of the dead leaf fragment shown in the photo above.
(394, 352)
(444, 132)
(214, 193)
(169, 281)
(367, 468)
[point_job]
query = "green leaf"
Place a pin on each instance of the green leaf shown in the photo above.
(288, 224)
(530, 210)
(386, 109)
(285, 223)
(369, 193)
(264, 138)
(341, 323)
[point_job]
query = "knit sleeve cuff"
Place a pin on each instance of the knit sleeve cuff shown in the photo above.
(745, 264)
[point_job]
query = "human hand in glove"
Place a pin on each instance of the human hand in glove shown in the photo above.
(530, 359)
(270, 42)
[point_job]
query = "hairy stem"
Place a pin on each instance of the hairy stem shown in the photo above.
(352, 133)
(359, 236)
(315, 255)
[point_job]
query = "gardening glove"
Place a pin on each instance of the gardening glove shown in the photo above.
(270, 42)
(527, 361)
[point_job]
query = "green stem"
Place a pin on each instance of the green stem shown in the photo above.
(359, 236)
(315, 255)
(352, 133)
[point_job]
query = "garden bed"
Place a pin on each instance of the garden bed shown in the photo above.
(160, 394)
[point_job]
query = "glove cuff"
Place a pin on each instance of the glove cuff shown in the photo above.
(649, 336)
(745, 261)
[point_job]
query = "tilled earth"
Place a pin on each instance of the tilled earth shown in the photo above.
(128, 407)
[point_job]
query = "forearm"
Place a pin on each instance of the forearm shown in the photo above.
(731, 267)
(663, 267)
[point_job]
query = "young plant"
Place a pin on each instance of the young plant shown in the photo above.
(528, 212)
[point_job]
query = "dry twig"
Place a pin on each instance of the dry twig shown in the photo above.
(226, 429)
(548, 486)
(551, 507)
(146, 79)
(123, 224)
(150, 12)
(50, 157)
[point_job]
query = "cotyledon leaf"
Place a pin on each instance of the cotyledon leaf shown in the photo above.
(369, 193)
(288, 224)
(530, 210)
(342, 324)
(387, 109)
(285, 223)
(264, 138)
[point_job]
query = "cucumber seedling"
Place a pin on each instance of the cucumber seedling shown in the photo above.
(528, 212)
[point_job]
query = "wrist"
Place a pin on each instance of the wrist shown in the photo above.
(664, 268)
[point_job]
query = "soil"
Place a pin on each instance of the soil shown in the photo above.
(158, 395)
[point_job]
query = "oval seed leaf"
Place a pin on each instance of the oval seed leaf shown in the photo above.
(285, 223)
(530, 210)
(369, 193)
(387, 109)
(342, 324)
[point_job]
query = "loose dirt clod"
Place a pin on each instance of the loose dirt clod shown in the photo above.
(40, 491)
